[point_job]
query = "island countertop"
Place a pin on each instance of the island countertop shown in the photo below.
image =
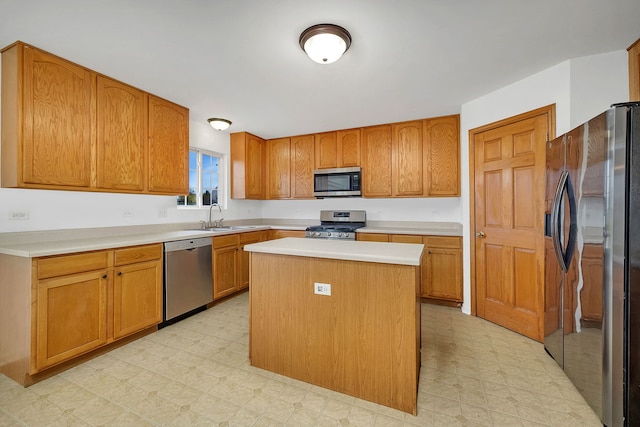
(351, 250)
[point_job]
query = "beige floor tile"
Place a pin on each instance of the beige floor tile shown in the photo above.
(196, 372)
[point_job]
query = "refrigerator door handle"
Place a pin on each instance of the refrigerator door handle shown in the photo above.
(573, 223)
(556, 224)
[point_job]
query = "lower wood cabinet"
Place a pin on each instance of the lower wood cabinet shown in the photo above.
(231, 262)
(86, 300)
(279, 234)
(441, 274)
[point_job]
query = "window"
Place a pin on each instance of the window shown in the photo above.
(206, 179)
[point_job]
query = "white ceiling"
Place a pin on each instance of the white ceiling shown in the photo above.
(240, 59)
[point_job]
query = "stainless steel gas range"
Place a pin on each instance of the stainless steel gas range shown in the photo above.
(340, 225)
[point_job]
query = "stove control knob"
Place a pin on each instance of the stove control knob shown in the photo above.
(329, 234)
(341, 235)
(317, 233)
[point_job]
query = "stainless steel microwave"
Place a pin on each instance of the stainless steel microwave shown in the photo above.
(337, 182)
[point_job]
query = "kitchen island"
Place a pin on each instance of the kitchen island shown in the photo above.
(344, 315)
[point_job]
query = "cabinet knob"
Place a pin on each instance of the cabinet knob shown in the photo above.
(104, 276)
(119, 273)
(481, 234)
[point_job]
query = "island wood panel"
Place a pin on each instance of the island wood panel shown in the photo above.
(363, 340)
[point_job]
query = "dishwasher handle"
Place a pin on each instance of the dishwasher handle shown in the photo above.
(187, 244)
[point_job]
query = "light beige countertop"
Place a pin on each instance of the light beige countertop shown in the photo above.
(350, 250)
(56, 242)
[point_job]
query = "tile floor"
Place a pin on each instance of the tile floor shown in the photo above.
(196, 373)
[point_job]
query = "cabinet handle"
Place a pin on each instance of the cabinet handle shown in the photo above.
(104, 276)
(481, 234)
(119, 273)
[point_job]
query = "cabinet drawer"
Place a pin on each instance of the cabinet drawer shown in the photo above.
(230, 240)
(405, 238)
(138, 254)
(372, 237)
(443, 242)
(63, 265)
(254, 236)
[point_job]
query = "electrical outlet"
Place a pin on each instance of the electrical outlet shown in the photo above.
(127, 213)
(162, 213)
(322, 289)
(20, 215)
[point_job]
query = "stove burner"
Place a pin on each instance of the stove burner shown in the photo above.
(340, 225)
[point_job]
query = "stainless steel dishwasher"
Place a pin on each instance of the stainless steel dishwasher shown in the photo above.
(188, 279)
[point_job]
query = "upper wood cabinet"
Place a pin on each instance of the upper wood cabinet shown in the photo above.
(168, 154)
(122, 136)
(407, 159)
(376, 161)
(247, 166)
(339, 149)
(47, 113)
(442, 163)
(66, 127)
(326, 147)
(302, 166)
(279, 168)
(418, 158)
(634, 71)
(348, 148)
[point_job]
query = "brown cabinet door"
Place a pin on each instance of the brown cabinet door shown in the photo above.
(348, 148)
(326, 147)
(634, 71)
(121, 136)
(137, 297)
(376, 161)
(247, 166)
(442, 274)
(225, 267)
(302, 165)
(279, 168)
(57, 129)
(168, 153)
(442, 139)
(372, 237)
(279, 234)
(243, 258)
(408, 154)
(255, 182)
(71, 316)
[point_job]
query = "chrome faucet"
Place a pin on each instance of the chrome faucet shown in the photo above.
(217, 223)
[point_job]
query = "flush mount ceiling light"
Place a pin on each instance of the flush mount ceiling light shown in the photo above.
(325, 43)
(219, 124)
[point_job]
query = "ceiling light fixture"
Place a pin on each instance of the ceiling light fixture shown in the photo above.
(325, 43)
(219, 124)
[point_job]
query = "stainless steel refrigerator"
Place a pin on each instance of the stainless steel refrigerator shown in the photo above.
(592, 261)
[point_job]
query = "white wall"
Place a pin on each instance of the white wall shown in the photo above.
(580, 88)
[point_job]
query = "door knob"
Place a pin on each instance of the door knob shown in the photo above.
(480, 234)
